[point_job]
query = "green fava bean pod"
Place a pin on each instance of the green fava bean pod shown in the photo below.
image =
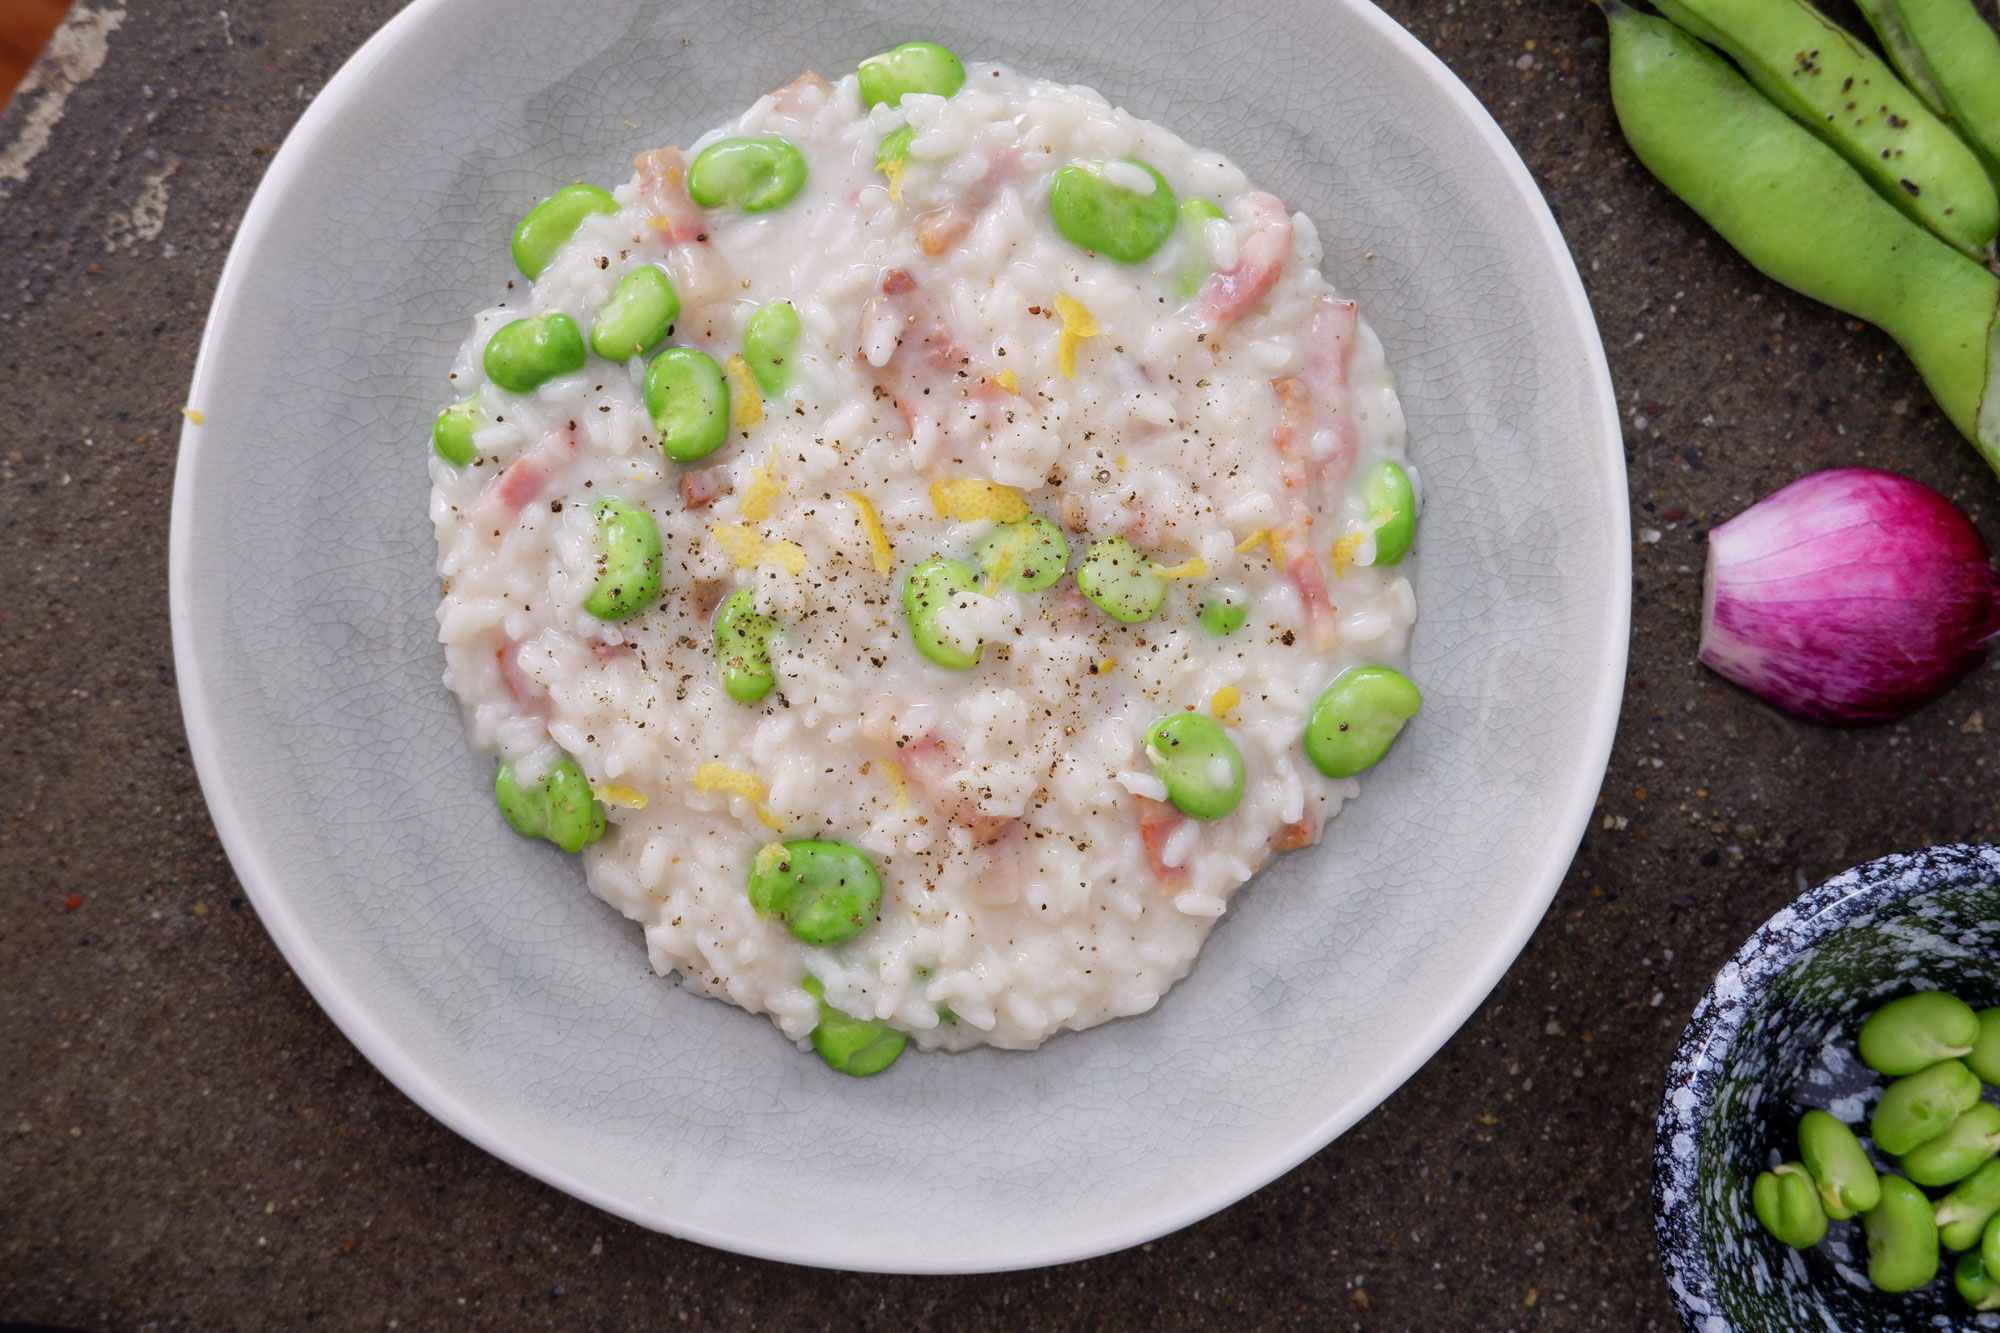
(913, 67)
(1917, 1031)
(770, 340)
(1902, 1238)
(638, 317)
(825, 892)
(754, 174)
(549, 224)
(1027, 555)
(629, 561)
(1123, 214)
(1973, 1284)
(1950, 57)
(1120, 582)
(1795, 208)
(1358, 718)
(524, 355)
(1966, 1144)
(743, 648)
(1984, 1057)
(855, 1046)
(1844, 94)
(1922, 1106)
(1200, 765)
(1224, 611)
(689, 403)
(1787, 1204)
(1839, 1166)
(559, 808)
(930, 592)
(1191, 232)
(1962, 1215)
(1392, 504)
(451, 433)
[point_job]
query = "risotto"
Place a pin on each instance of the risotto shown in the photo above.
(926, 545)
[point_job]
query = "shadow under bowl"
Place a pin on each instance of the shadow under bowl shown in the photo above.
(1773, 1038)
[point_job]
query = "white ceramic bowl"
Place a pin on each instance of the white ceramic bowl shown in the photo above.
(475, 969)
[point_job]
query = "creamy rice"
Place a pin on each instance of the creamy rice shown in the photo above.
(1033, 877)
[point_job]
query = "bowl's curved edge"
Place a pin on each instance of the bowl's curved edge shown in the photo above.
(1718, 1017)
(382, 1050)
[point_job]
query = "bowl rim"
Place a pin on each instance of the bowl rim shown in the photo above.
(262, 875)
(1711, 1032)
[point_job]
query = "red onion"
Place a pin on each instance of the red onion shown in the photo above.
(1849, 596)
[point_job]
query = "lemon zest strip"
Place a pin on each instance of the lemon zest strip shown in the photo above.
(735, 782)
(618, 794)
(1077, 324)
(878, 540)
(746, 405)
(968, 498)
(1223, 701)
(764, 487)
(1192, 568)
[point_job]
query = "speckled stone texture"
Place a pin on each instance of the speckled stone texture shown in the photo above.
(186, 1141)
(1775, 1037)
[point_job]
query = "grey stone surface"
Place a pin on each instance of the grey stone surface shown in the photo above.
(186, 1141)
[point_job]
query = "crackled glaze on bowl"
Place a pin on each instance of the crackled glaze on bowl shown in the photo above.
(1774, 1038)
(476, 972)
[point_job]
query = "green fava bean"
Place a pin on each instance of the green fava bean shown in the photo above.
(1113, 218)
(743, 648)
(689, 403)
(770, 340)
(1192, 268)
(913, 67)
(1200, 765)
(1963, 1214)
(559, 808)
(755, 174)
(1119, 581)
(1922, 1106)
(528, 353)
(638, 317)
(1989, 1245)
(549, 224)
(895, 147)
(856, 1046)
(1358, 718)
(1974, 1285)
(825, 892)
(1984, 1057)
(629, 561)
(1966, 1144)
(1224, 611)
(1902, 1238)
(932, 589)
(1787, 1204)
(451, 433)
(1916, 1032)
(1027, 555)
(1839, 1166)
(1392, 503)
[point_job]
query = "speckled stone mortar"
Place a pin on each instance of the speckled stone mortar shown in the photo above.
(1773, 1037)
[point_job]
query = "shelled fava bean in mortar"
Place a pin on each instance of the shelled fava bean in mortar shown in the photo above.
(950, 533)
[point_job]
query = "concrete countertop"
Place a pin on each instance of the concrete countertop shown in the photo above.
(187, 1142)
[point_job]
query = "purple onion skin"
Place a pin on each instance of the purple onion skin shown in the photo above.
(1850, 596)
